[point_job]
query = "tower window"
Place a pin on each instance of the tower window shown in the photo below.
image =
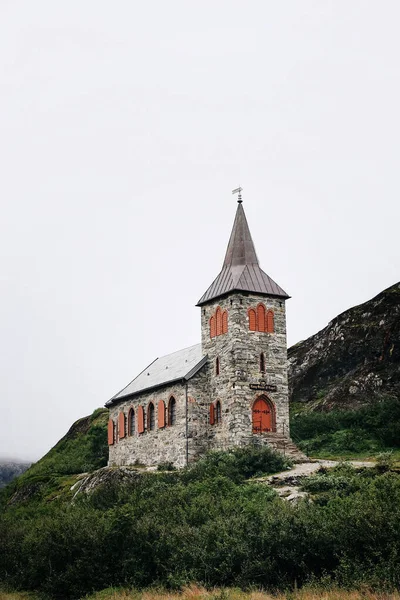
(213, 331)
(212, 414)
(171, 411)
(219, 323)
(151, 421)
(218, 414)
(217, 366)
(262, 362)
(261, 319)
(270, 322)
(225, 322)
(252, 320)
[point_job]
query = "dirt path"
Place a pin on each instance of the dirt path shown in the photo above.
(287, 483)
(308, 468)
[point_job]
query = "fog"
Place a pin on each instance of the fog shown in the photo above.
(124, 128)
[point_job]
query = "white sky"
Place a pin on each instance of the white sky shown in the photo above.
(125, 125)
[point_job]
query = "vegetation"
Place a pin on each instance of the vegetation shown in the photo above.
(213, 524)
(348, 433)
(83, 449)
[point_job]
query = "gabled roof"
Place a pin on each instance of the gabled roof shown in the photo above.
(181, 365)
(241, 270)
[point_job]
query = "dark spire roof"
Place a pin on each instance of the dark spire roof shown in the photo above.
(241, 270)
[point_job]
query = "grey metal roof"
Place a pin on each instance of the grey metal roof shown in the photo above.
(241, 270)
(182, 364)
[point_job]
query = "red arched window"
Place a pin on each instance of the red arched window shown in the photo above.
(270, 322)
(252, 319)
(213, 331)
(219, 323)
(171, 411)
(131, 422)
(261, 317)
(218, 319)
(140, 418)
(121, 425)
(110, 432)
(217, 366)
(218, 412)
(212, 414)
(225, 321)
(161, 414)
(262, 362)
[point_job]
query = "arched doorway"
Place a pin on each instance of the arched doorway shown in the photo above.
(263, 415)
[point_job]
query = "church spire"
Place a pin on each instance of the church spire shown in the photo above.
(241, 270)
(240, 249)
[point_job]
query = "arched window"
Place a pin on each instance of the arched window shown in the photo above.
(213, 331)
(151, 420)
(263, 416)
(262, 362)
(218, 319)
(270, 322)
(261, 317)
(171, 411)
(131, 422)
(219, 323)
(218, 415)
(110, 432)
(225, 321)
(252, 319)
(217, 366)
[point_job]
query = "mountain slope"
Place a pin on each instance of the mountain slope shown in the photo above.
(354, 361)
(83, 448)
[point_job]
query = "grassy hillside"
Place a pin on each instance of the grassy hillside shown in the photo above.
(84, 448)
(366, 432)
(214, 524)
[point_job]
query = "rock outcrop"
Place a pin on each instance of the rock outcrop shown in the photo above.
(355, 360)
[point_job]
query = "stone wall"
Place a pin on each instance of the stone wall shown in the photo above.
(156, 446)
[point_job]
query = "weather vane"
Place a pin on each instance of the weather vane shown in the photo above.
(239, 192)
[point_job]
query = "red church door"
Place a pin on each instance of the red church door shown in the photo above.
(263, 416)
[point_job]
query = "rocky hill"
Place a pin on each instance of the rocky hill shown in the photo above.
(354, 361)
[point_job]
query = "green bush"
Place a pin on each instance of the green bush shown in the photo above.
(370, 429)
(209, 524)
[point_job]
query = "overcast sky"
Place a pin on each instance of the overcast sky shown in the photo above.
(125, 125)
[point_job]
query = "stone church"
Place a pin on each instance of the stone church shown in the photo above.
(229, 390)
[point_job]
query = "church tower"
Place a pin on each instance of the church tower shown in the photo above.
(243, 333)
